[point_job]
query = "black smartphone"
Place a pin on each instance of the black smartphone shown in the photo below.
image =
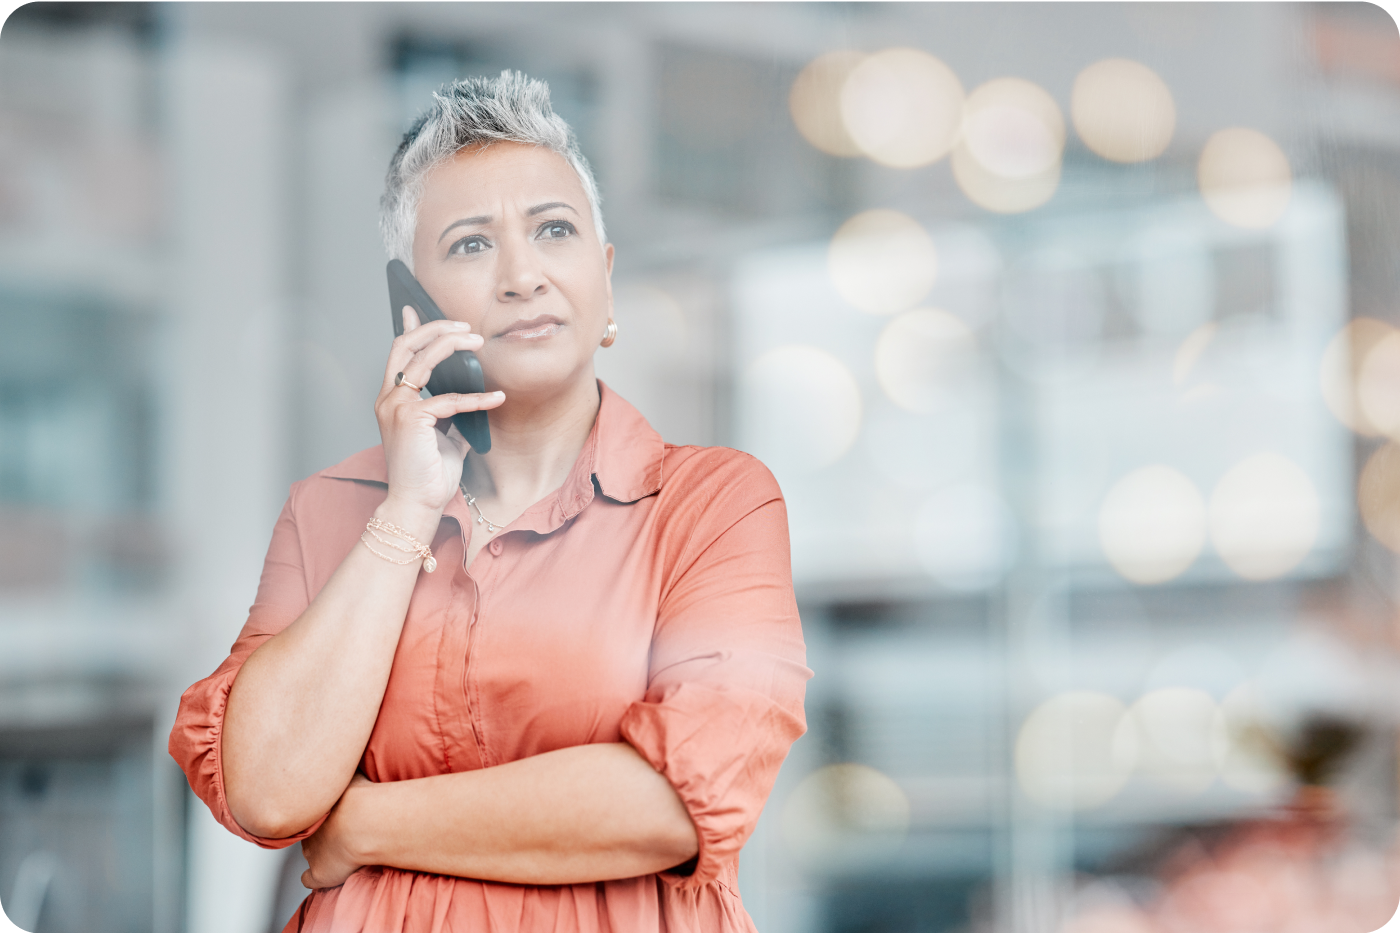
(460, 372)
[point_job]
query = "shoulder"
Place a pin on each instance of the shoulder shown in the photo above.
(701, 475)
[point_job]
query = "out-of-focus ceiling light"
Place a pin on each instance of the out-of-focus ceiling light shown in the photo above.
(803, 407)
(1378, 495)
(815, 102)
(1152, 524)
(1123, 110)
(1264, 516)
(1008, 156)
(1245, 178)
(1072, 752)
(1343, 363)
(923, 358)
(902, 107)
(882, 261)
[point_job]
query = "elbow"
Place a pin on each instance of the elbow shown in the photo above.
(265, 822)
(677, 841)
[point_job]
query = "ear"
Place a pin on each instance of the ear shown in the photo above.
(608, 254)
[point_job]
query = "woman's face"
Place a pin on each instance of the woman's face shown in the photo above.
(505, 241)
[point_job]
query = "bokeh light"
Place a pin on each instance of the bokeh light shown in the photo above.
(1342, 363)
(998, 194)
(1152, 524)
(815, 102)
(1123, 110)
(805, 408)
(1008, 158)
(1245, 178)
(882, 261)
(965, 537)
(902, 107)
(1378, 495)
(1013, 128)
(923, 357)
(1177, 739)
(838, 805)
(1378, 385)
(1071, 752)
(1264, 516)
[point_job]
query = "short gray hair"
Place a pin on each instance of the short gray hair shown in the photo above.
(511, 108)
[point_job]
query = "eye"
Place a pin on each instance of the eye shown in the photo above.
(468, 245)
(556, 230)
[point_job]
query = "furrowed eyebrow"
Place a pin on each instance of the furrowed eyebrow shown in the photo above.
(486, 218)
(541, 208)
(466, 222)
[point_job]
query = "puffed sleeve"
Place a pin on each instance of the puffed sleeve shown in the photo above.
(196, 742)
(728, 671)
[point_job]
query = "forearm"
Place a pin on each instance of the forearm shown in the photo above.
(576, 815)
(302, 707)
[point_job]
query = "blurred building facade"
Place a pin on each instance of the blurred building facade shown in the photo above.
(1080, 386)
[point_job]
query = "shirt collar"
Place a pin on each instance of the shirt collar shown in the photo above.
(623, 453)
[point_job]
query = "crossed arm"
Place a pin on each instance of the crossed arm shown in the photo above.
(301, 711)
(589, 813)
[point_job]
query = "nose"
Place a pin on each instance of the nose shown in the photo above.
(521, 273)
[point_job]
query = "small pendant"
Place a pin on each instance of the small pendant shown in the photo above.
(429, 564)
(480, 520)
(491, 528)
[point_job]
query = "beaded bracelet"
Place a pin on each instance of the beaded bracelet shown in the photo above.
(414, 547)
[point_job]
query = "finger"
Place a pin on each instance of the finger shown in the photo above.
(451, 403)
(410, 318)
(411, 341)
(420, 367)
(455, 335)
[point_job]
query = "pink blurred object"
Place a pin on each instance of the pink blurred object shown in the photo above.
(1299, 872)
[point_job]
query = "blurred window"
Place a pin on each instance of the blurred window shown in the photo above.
(80, 220)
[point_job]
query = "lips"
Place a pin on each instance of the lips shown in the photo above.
(545, 325)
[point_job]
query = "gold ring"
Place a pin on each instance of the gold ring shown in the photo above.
(399, 380)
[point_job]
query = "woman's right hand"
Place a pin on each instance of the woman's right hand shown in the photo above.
(425, 462)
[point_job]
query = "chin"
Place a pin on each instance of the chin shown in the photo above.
(534, 370)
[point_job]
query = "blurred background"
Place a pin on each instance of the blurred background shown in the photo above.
(1070, 332)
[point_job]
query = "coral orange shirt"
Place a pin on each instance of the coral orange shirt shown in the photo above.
(649, 600)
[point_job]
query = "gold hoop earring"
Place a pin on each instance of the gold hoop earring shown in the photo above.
(611, 336)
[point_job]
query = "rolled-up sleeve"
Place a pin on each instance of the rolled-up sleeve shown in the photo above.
(728, 672)
(196, 741)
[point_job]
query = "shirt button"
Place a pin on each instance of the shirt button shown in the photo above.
(495, 547)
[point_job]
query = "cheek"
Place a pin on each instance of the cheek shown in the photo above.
(461, 296)
(586, 285)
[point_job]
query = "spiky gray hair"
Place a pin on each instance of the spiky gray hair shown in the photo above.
(511, 108)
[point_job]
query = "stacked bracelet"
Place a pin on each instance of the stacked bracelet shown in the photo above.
(413, 547)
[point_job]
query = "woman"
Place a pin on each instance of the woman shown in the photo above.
(573, 720)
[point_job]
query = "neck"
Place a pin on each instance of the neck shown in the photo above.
(535, 441)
